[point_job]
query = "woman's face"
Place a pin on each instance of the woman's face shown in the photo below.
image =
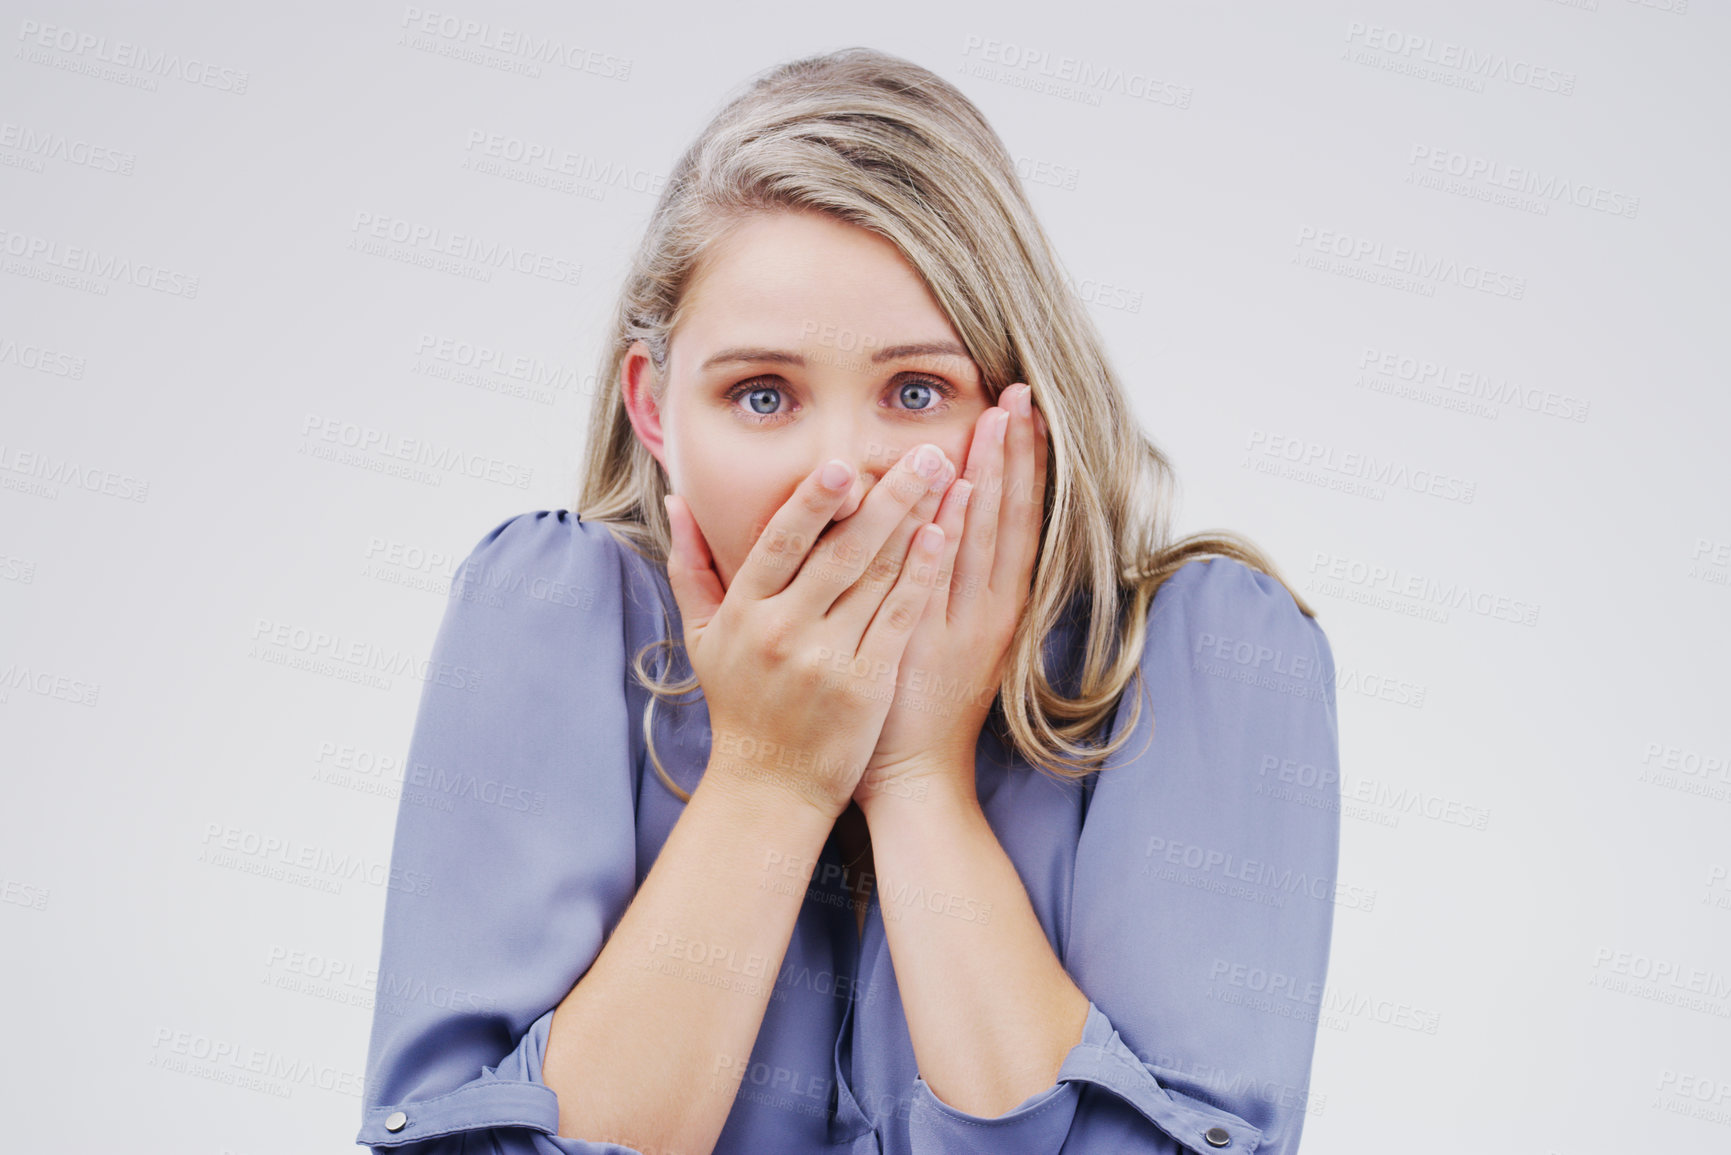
(803, 339)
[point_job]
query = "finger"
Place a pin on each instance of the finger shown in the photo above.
(1019, 518)
(986, 470)
(860, 601)
(952, 519)
(690, 568)
(887, 636)
(845, 550)
(1042, 482)
(780, 550)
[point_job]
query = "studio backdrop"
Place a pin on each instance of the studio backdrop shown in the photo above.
(298, 302)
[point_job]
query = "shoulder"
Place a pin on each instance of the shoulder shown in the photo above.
(1221, 609)
(544, 539)
(1227, 638)
(546, 555)
(536, 603)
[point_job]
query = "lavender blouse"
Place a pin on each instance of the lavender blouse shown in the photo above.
(1188, 888)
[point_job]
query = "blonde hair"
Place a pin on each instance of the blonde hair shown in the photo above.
(881, 143)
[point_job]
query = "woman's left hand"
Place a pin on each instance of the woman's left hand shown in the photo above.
(954, 661)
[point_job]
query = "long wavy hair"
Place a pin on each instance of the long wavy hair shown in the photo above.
(881, 143)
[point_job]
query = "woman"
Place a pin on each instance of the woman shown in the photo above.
(908, 874)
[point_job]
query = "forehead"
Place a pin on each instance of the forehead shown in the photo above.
(792, 280)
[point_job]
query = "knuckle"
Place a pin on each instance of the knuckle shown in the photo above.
(883, 569)
(906, 485)
(815, 500)
(776, 630)
(903, 617)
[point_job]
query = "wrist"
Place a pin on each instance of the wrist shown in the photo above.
(936, 797)
(769, 801)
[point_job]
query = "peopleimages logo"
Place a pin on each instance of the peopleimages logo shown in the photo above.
(414, 455)
(1071, 74)
(125, 54)
(372, 229)
(1358, 467)
(1547, 187)
(528, 368)
(556, 160)
(1478, 64)
(1277, 880)
(1408, 262)
(1421, 588)
(104, 268)
(45, 471)
(40, 359)
(47, 144)
(1467, 382)
(273, 637)
(514, 42)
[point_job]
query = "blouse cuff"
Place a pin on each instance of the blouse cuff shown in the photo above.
(1041, 1123)
(508, 1095)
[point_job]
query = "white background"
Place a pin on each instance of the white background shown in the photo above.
(1539, 807)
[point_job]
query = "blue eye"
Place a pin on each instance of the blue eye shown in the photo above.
(923, 384)
(758, 394)
(763, 393)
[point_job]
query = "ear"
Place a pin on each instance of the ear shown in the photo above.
(636, 375)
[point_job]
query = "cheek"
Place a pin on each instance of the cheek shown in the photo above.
(959, 440)
(732, 518)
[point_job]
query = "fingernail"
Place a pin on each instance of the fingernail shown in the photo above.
(927, 460)
(836, 474)
(1001, 425)
(1025, 400)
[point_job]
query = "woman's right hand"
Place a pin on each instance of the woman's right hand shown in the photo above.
(799, 656)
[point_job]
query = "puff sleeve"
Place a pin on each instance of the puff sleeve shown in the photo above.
(515, 846)
(1204, 894)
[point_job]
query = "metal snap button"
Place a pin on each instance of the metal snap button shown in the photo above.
(397, 1121)
(1217, 1136)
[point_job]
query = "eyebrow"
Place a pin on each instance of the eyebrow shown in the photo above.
(783, 357)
